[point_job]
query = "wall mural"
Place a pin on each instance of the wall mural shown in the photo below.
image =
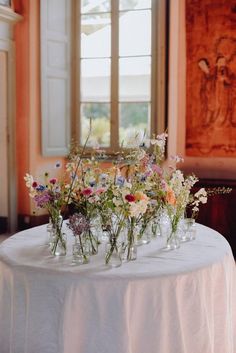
(211, 78)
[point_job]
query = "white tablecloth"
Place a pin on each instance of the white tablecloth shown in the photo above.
(181, 301)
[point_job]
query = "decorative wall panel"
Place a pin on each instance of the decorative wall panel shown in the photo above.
(211, 78)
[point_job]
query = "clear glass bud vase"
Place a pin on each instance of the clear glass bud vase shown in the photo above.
(92, 241)
(113, 255)
(58, 243)
(144, 234)
(173, 241)
(80, 251)
(129, 248)
(57, 238)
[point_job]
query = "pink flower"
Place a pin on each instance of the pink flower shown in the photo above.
(100, 191)
(53, 181)
(164, 186)
(157, 169)
(87, 191)
(34, 184)
(130, 197)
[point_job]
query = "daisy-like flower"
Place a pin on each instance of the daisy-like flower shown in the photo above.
(28, 180)
(138, 208)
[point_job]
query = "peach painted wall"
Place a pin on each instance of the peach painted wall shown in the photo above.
(28, 123)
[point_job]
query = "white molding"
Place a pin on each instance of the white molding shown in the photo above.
(8, 15)
(7, 45)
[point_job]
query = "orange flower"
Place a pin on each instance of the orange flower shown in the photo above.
(170, 197)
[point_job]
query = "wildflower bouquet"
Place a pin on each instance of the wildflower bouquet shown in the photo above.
(50, 195)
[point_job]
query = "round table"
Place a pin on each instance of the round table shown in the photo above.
(181, 301)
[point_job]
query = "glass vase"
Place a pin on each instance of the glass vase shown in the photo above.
(173, 241)
(58, 243)
(129, 248)
(57, 237)
(113, 255)
(190, 228)
(49, 229)
(155, 228)
(93, 242)
(80, 251)
(144, 234)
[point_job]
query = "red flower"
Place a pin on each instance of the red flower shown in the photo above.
(34, 184)
(87, 192)
(53, 181)
(130, 198)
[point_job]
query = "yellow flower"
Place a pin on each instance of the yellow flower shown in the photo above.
(139, 195)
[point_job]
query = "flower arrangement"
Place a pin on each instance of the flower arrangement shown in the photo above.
(51, 195)
(121, 200)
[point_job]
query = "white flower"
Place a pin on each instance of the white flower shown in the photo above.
(138, 208)
(201, 192)
(177, 158)
(117, 202)
(203, 199)
(28, 180)
(201, 195)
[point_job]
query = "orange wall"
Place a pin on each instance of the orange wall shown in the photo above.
(28, 124)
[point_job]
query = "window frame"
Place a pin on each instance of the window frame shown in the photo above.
(60, 105)
(158, 72)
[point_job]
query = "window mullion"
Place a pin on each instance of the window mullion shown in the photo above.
(75, 70)
(154, 75)
(158, 71)
(77, 59)
(114, 75)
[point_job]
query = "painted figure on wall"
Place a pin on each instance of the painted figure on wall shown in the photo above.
(211, 78)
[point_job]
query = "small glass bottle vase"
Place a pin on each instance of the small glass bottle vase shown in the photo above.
(57, 238)
(129, 249)
(93, 242)
(80, 251)
(173, 241)
(144, 234)
(58, 243)
(113, 255)
(190, 228)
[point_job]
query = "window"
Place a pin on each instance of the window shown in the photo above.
(117, 70)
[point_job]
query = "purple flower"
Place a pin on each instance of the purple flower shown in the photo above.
(42, 199)
(92, 183)
(143, 178)
(120, 180)
(78, 224)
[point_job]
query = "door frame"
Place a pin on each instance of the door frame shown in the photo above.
(7, 20)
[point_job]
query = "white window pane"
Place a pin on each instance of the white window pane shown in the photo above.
(93, 6)
(135, 4)
(135, 33)
(95, 36)
(135, 79)
(134, 123)
(95, 80)
(100, 115)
